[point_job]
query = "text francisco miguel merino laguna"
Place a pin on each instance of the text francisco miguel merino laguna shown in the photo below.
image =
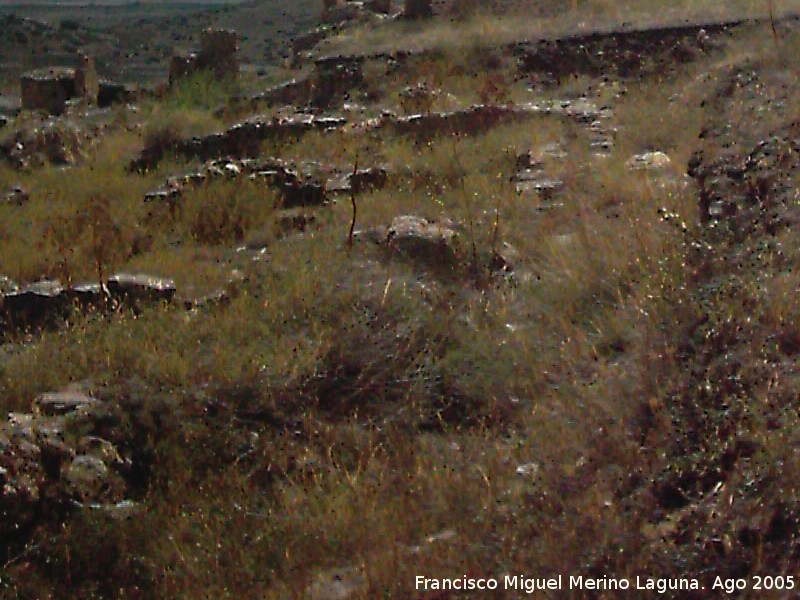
(572, 582)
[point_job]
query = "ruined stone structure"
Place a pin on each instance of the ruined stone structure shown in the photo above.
(418, 9)
(333, 10)
(218, 54)
(379, 6)
(86, 82)
(50, 89)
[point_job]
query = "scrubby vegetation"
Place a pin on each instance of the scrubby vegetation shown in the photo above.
(591, 375)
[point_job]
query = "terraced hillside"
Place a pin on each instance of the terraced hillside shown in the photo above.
(483, 294)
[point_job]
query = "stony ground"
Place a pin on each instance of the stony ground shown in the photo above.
(485, 305)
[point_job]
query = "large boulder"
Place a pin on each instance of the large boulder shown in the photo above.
(422, 240)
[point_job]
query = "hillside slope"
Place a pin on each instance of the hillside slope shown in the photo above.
(478, 295)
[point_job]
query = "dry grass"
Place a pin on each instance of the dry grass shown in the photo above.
(484, 29)
(400, 404)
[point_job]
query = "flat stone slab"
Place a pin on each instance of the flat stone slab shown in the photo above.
(648, 161)
(140, 285)
(54, 404)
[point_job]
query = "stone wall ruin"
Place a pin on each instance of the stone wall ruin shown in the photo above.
(51, 88)
(218, 54)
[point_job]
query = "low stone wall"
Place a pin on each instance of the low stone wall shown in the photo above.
(48, 90)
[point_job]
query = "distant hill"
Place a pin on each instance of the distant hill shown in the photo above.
(133, 41)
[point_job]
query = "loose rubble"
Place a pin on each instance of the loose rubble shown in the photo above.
(51, 461)
(16, 195)
(54, 141)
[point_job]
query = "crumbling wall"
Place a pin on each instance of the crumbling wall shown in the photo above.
(86, 82)
(418, 9)
(218, 53)
(218, 49)
(380, 6)
(48, 90)
(181, 66)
